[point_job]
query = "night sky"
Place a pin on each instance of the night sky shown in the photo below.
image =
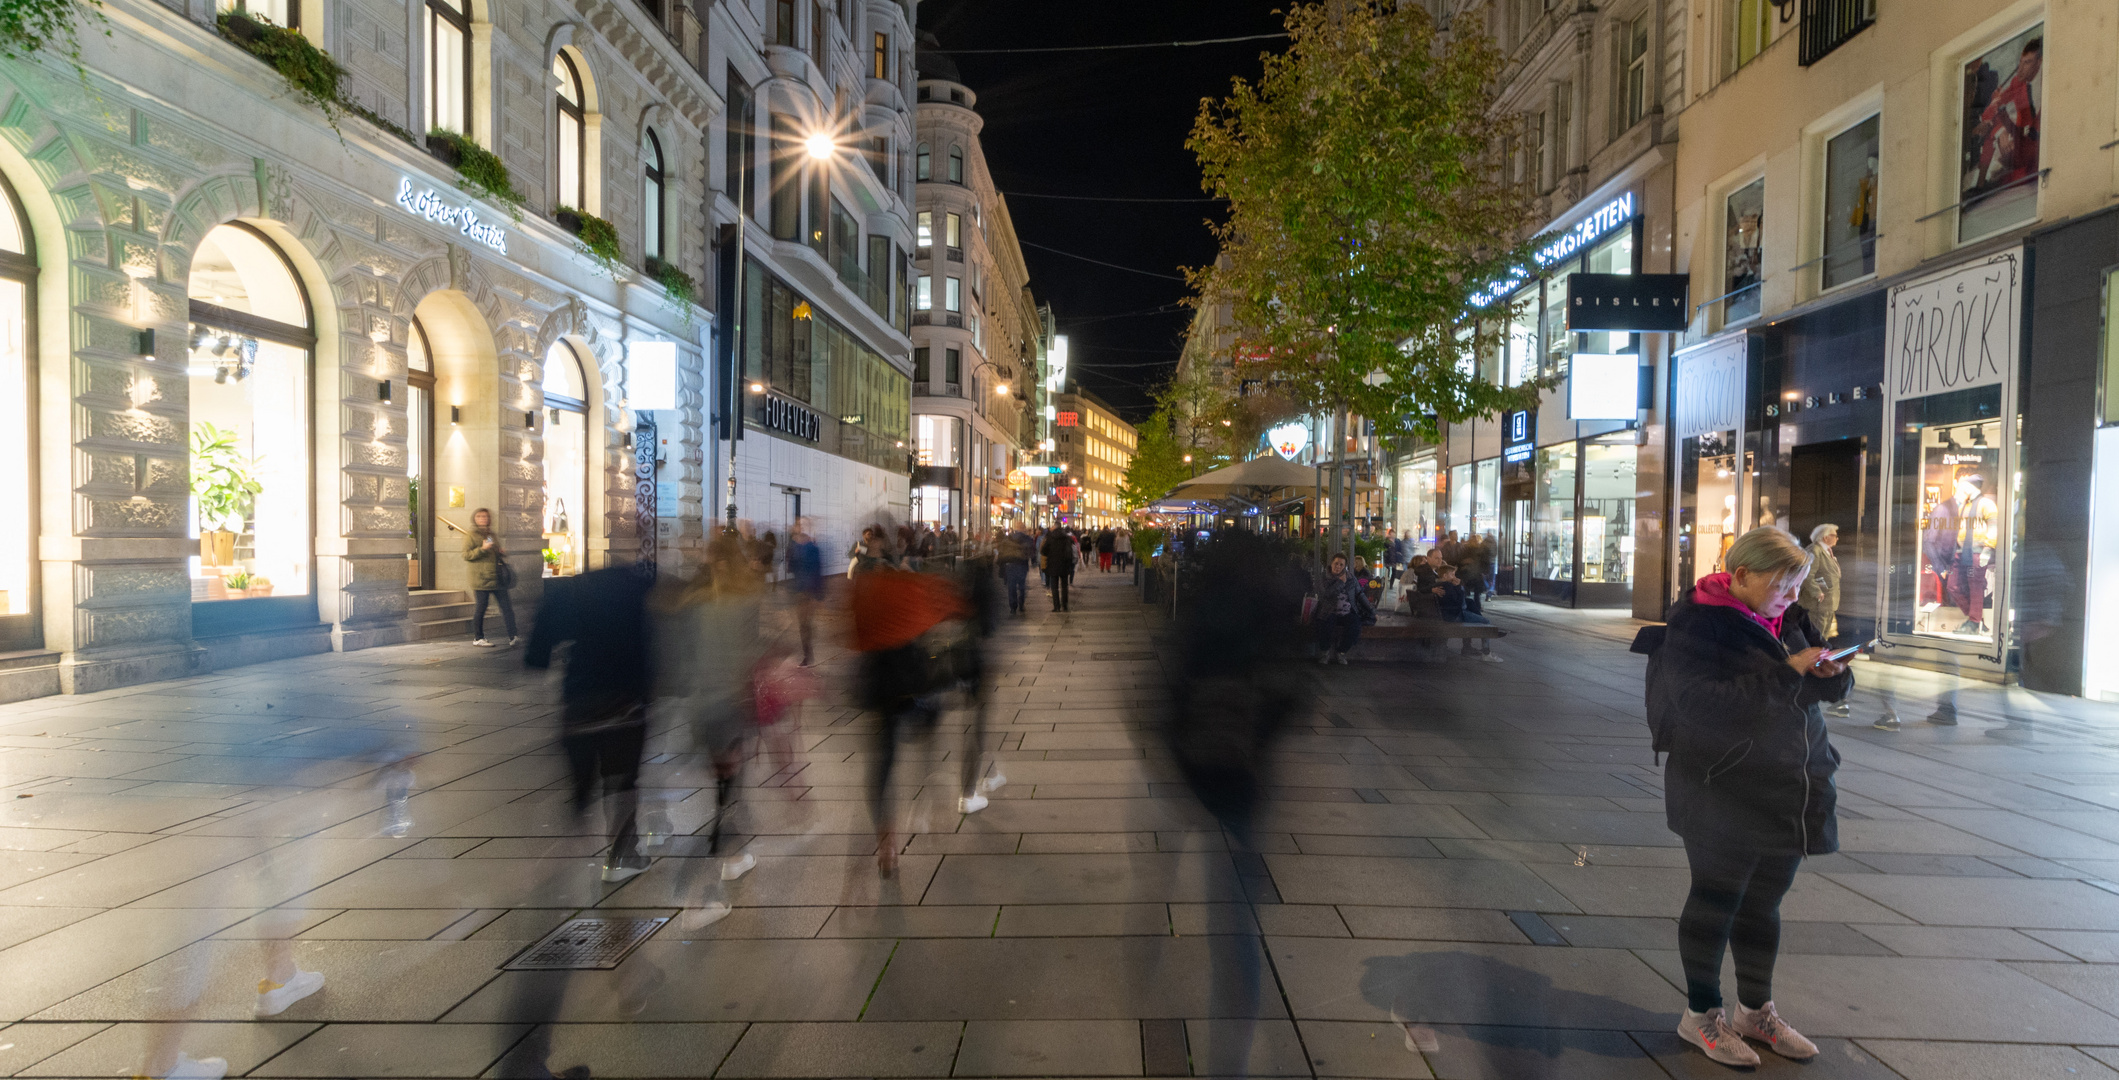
(1110, 124)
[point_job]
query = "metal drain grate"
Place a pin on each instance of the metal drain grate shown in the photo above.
(1122, 656)
(585, 945)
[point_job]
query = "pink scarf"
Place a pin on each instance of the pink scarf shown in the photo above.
(1714, 591)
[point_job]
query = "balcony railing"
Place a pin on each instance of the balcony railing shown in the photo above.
(1827, 24)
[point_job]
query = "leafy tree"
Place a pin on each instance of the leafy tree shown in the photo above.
(1367, 217)
(1158, 464)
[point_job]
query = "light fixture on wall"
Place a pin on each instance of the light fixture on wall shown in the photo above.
(382, 390)
(456, 414)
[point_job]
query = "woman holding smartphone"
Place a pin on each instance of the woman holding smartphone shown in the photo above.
(1735, 693)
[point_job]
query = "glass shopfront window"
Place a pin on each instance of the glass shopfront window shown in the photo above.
(938, 453)
(566, 461)
(1951, 485)
(1552, 525)
(1460, 500)
(1608, 489)
(19, 627)
(1947, 477)
(1486, 498)
(251, 487)
(1418, 519)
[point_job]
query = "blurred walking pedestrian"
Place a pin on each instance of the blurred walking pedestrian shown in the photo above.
(1106, 548)
(805, 568)
(1014, 553)
(968, 664)
(1058, 554)
(893, 611)
(609, 679)
(1735, 681)
(1122, 548)
(1234, 691)
(491, 577)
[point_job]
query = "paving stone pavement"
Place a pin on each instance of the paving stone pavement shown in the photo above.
(1467, 855)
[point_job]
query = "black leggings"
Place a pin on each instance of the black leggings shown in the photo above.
(1735, 903)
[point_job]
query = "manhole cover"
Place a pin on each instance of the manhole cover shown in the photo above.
(1122, 656)
(585, 945)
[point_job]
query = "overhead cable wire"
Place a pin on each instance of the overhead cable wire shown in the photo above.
(1100, 262)
(1107, 48)
(1105, 198)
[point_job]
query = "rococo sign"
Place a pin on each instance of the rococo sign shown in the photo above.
(428, 204)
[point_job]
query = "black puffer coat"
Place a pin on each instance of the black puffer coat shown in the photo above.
(1750, 764)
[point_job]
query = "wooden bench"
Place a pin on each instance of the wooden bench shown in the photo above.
(1420, 637)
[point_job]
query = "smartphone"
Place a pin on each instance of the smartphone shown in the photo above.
(1848, 651)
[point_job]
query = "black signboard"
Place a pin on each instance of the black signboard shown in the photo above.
(1627, 302)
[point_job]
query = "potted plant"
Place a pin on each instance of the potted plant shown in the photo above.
(237, 582)
(568, 219)
(551, 563)
(225, 485)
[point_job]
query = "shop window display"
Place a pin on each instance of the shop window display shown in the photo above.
(1998, 154)
(1850, 204)
(250, 414)
(1707, 515)
(1950, 460)
(18, 625)
(566, 461)
(1608, 489)
(1460, 500)
(1744, 251)
(1418, 519)
(1552, 538)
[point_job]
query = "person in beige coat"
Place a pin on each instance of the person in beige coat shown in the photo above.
(1820, 595)
(483, 551)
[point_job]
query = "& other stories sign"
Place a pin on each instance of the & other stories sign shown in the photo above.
(429, 204)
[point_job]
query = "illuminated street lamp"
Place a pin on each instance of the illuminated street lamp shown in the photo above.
(820, 147)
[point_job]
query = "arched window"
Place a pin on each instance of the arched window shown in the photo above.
(566, 459)
(925, 170)
(251, 458)
(651, 197)
(20, 628)
(448, 40)
(571, 140)
(956, 164)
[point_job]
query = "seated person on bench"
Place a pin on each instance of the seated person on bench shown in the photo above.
(1459, 605)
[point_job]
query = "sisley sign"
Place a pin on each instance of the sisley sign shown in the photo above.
(428, 204)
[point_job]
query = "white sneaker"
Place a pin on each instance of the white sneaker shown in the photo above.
(187, 1068)
(971, 804)
(483, 643)
(1712, 1033)
(624, 870)
(1342, 658)
(731, 869)
(1765, 1024)
(699, 918)
(994, 782)
(512, 640)
(273, 998)
(1489, 658)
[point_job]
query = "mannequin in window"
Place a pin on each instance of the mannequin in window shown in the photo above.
(1959, 544)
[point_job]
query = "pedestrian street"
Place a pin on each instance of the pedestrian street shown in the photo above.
(1464, 872)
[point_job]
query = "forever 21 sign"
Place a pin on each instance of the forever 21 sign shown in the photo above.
(784, 415)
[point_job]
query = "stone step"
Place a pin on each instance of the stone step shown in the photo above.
(437, 629)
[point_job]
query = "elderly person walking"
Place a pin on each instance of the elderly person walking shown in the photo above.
(1735, 684)
(1821, 589)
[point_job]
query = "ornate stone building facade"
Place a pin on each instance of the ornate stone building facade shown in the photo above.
(977, 332)
(266, 362)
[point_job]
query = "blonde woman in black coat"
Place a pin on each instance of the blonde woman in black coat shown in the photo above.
(1735, 690)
